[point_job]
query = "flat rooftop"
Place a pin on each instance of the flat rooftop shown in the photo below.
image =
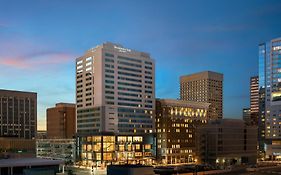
(17, 91)
(28, 162)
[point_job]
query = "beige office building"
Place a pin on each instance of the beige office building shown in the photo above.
(204, 87)
(115, 90)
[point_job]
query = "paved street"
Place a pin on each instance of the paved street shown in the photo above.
(83, 171)
(271, 171)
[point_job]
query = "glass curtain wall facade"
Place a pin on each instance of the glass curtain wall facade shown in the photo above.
(270, 96)
(105, 149)
(261, 119)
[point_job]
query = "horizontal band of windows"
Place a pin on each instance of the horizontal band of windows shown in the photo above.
(129, 64)
(109, 92)
(148, 77)
(89, 78)
(148, 87)
(130, 84)
(89, 59)
(109, 81)
(129, 79)
(148, 82)
(88, 120)
(148, 92)
(109, 65)
(110, 102)
(86, 131)
(109, 55)
(88, 125)
(147, 72)
(135, 116)
(128, 94)
(135, 121)
(148, 67)
(129, 89)
(79, 62)
(109, 71)
(142, 130)
(92, 115)
(109, 76)
(134, 126)
(146, 62)
(129, 74)
(88, 110)
(109, 87)
(129, 69)
(129, 104)
(109, 60)
(129, 59)
(129, 110)
(129, 99)
(109, 97)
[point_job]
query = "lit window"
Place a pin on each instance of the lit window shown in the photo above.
(89, 68)
(89, 58)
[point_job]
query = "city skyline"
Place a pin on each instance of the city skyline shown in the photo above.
(40, 57)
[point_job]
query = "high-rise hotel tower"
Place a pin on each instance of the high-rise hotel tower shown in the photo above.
(115, 91)
(270, 95)
(204, 86)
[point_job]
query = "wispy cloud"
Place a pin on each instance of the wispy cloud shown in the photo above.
(31, 61)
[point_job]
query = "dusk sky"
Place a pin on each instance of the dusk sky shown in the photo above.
(40, 39)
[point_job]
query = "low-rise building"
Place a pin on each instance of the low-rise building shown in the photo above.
(30, 166)
(41, 134)
(108, 148)
(13, 147)
(227, 142)
(57, 149)
(176, 121)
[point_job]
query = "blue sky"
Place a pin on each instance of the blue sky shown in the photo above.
(40, 39)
